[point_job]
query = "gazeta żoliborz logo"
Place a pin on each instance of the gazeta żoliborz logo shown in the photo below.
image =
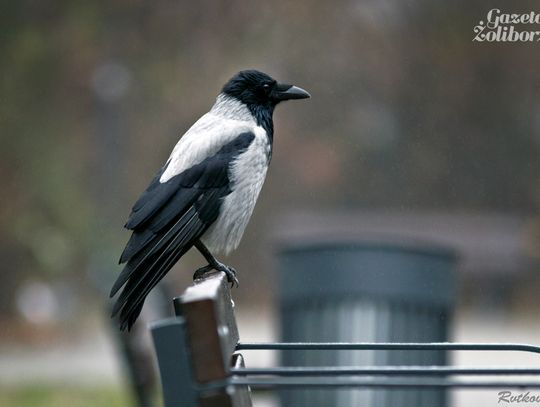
(508, 27)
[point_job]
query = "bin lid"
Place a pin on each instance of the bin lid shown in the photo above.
(382, 269)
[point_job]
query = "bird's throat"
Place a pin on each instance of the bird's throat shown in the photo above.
(263, 117)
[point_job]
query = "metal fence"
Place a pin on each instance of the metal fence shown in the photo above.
(200, 364)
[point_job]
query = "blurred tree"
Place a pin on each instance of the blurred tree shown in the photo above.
(407, 112)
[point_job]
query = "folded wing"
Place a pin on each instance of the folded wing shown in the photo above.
(167, 220)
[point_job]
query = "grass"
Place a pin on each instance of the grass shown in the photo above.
(55, 396)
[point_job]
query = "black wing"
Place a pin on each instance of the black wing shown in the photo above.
(167, 220)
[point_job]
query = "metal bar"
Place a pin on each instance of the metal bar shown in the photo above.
(386, 370)
(388, 346)
(334, 382)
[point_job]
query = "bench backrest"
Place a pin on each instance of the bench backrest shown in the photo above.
(196, 348)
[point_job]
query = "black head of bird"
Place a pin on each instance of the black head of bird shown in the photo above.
(254, 88)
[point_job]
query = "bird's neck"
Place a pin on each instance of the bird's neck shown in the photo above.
(263, 117)
(231, 108)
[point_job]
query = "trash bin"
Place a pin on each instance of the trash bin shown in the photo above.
(365, 292)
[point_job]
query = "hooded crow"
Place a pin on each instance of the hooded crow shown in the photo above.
(205, 193)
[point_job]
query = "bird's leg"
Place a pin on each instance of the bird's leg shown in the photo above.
(213, 264)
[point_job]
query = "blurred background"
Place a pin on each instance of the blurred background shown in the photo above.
(413, 130)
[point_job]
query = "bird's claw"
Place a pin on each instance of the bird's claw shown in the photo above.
(229, 272)
(200, 273)
(231, 276)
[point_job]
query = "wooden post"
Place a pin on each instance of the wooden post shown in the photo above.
(212, 335)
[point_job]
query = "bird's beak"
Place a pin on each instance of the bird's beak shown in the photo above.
(286, 92)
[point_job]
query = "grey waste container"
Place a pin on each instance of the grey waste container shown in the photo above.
(365, 292)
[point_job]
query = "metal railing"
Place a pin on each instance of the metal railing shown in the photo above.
(200, 363)
(413, 376)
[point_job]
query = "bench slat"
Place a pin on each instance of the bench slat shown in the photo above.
(174, 362)
(211, 327)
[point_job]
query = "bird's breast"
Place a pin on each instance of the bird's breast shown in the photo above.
(247, 174)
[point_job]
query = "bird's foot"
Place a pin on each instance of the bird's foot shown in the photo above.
(229, 271)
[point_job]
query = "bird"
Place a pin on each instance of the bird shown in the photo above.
(204, 195)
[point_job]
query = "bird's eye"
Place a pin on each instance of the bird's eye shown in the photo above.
(267, 88)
